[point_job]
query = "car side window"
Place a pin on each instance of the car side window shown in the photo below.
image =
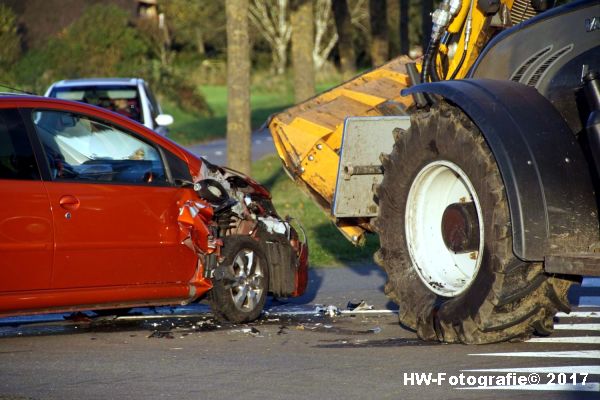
(16, 155)
(79, 148)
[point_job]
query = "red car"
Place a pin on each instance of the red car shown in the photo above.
(99, 212)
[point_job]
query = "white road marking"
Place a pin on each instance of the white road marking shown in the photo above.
(577, 327)
(369, 311)
(588, 301)
(158, 316)
(588, 387)
(579, 314)
(546, 354)
(343, 312)
(573, 339)
(590, 282)
(572, 369)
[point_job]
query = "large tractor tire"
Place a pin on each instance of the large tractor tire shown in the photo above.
(446, 241)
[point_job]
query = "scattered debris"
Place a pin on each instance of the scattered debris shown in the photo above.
(282, 330)
(252, 331)
(360, 306)
(375, 330)
(329, 310)
(162, 335)
(78, 317)
(206, 326)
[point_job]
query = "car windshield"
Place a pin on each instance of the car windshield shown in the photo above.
(122, 99)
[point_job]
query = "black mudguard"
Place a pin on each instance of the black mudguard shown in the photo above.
(545, 174)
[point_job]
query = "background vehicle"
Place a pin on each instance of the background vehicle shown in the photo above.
(130, 97)
(100, 212)
(481, 189)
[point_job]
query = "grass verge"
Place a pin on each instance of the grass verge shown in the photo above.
(327, 246)
(189, 128)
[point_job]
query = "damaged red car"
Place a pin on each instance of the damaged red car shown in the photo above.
(99, 212)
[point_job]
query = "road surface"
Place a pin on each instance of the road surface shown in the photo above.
(216, 151)
(295, 351)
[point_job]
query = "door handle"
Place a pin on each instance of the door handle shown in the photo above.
(70, 203)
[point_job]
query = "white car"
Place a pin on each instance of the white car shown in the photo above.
(128, 96)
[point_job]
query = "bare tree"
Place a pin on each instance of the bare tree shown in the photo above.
(271, 19)
(359, 15)
(343, 23)
(379, 33)
(238, 86)
(393, 26)
(326, 35)
(404, 40)
(302, 49)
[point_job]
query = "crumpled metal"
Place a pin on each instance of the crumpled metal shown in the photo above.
(194, 217)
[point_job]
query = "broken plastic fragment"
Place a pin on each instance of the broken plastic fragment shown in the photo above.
(329, 310)
(361, 305)
(275, 225)
(252, 331)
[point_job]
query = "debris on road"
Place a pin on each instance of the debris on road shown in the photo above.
(252, 331)
(360, 306)
(329, 310)
(162, 335)
(78, 317)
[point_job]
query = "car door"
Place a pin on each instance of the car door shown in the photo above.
(115, 210)
(26, 233)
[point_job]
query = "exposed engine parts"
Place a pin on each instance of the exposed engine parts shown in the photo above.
(230, 204)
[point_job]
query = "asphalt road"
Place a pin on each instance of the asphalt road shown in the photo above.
(295, 351)
(216, 151)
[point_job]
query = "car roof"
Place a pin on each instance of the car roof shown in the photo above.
(97, 82)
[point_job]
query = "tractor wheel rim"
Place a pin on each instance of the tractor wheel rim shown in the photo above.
(437, 187)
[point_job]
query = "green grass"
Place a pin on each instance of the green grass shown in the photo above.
(327, 246)
(189, 128)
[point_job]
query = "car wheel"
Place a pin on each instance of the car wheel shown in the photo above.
(241, 297)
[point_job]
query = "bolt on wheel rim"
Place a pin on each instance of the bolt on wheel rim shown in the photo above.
(437, 187)
(246, 292)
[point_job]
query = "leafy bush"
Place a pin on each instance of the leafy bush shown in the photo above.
(104, 43)
(10, 42)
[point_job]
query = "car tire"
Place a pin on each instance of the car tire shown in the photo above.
(502, 297)
(241, 300)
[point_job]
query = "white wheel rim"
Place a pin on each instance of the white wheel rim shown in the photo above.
(435, 187)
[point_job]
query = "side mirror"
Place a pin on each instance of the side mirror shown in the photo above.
(164, 119)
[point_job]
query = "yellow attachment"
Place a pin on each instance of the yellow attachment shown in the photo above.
(308, 136)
